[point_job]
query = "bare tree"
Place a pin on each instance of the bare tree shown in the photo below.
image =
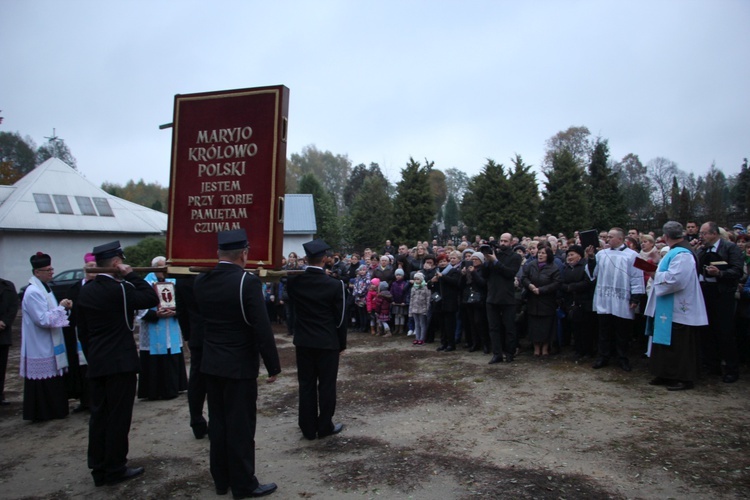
(661, 172)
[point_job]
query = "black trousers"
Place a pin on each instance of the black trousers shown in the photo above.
(317, 370)
(112, 398)
(3, 366)
(448, 328)
(614, 336)
(231, 410)
(196, 392)
(502, 324)
(476, 316)
(717, 339)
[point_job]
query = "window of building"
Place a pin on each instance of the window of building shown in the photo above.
(44, 203)
(85, 205)
(102, 205)
(62, 203)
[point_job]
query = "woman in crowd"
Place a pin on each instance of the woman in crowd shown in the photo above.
(384, 270)
(292, 264)
(448, 278)
(578, 295)
(541, 279)
(473, 296)
(359, 291)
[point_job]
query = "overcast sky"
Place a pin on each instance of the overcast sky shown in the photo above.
(455, 82)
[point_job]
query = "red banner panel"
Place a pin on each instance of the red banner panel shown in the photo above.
(228, 170)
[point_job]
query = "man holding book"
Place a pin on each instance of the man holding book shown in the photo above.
(720, 264)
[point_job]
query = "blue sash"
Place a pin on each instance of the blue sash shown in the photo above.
(660, 326)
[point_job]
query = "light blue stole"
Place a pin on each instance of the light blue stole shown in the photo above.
(660, 326)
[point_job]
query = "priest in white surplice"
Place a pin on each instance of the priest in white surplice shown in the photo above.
(675, 309)
(619, 289)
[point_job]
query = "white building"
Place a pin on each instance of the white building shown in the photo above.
(299, 222)
(55, 210)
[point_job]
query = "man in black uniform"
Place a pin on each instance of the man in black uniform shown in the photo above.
(192, 326)
(319, 303)
(106, 308)
(236, 331)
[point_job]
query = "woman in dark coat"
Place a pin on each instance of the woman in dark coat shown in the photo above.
(473, 296)
(448, 278)
(541, 280)
(578, 295)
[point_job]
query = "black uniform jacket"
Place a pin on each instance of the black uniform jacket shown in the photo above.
(237, 331)
(105, 315)
(319, 303)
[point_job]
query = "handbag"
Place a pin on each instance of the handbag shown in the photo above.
(472, 297)
(436, 297)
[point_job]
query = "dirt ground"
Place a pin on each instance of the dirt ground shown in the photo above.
(423, 424)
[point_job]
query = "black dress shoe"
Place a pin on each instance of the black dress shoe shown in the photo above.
(730, 378)
(200, 431)
(336, 429)
(473, 348)
(261, 491)
(222, 491)
(441, 348)
(128, 473)
(450, 348)
(495, 359)
(600, 363)
(486, 350)
(680, 386)
(625, 365)
(508, 359)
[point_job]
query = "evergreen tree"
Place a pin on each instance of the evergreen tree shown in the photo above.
(716, 194)
(412, 214)
(485, 201)
(451, 216)
(522, 209)
(606, 205)
(564, 206)
(740, 193)
(686, 210)
(357, 178)
(325, 209)
(371, 215)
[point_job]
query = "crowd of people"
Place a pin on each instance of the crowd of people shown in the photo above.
(553, 294)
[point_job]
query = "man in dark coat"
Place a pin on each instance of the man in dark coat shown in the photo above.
(500, 269)
(192, 327)
(718, 284)
(319, 303)
(8, 311)
(105, 315)
(237, 333)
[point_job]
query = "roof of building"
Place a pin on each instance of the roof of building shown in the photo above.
(299, 214)
(56, 197)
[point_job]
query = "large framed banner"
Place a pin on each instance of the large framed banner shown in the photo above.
(228, 170)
